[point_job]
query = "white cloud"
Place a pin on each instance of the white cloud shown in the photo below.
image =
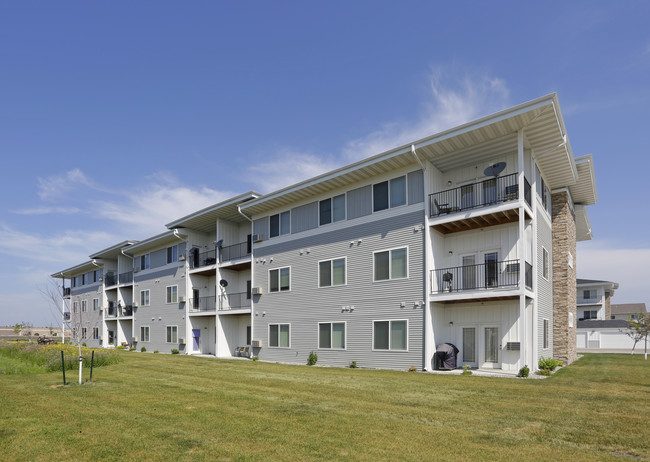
(629, 267)
(48, 211)
(54, 187)
(448, 105)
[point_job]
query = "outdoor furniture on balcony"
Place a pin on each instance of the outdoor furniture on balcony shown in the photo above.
(201, 259)
(483, 276)
(445, 208)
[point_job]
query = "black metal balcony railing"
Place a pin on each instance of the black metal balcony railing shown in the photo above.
(110, 279)
(489, 275)
(233, 252)
(234, 301)
(66, 291)
(476, 195)
(126, 278)
(198, 260)
(203, 303)
(126, 310)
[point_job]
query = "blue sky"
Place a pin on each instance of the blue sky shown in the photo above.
(118, 117)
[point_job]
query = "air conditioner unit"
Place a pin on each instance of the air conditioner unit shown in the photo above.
(256, 291)
(101, 339)
(101, 308)
(135, 304)
(513, 346)
(181, 341)
(135, 339)
(256, 344)
(181, 258)
(512, 268)
(258, 237)
(181, 298)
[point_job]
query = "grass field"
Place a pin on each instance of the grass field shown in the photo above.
(163, 407)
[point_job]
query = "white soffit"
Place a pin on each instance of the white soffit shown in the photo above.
(584, 190)
(583, 225)
(153, 242)
(79, 269)
(114, 251)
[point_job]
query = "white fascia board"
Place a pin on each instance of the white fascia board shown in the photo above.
(113, 249)
(154, 241)
(67, 273)
(242, 198)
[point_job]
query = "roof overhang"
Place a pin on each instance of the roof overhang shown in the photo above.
(584, 190)
(113, 251)
(583, 225)
(168, 237)
(544, 130)
(79, 269)
(204, 220)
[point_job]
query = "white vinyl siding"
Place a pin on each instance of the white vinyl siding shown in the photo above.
(331, 335)
(280, 279)
(172, 334)
(390, 335)
(391, 264)
(172, 294)
(280, 335)
(331, 272)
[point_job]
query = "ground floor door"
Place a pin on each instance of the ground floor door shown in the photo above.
(480, 346)
(469, 350)
(196, 337)
(111, 337)
(491, 343)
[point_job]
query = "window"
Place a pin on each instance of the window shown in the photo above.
(144, 297)
(84, 279)
(249, 335)
(172, 254)
(172, 334)
(279, 335)
(545, 263)
(590, 314)
(144, 262)
(84, 332)
(546, 332)
(84, 306)
(391, 264)
(172, 294)
(73, 282)
(280, 224)
(332, 210)
(390, 335)
(589, 294)
(95, 304)
(389, 194)
(95, 333)
(144, 333)
(75, 307)
(331, 272)
(279, 279)
(331, 335)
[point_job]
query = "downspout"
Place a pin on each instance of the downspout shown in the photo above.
(252, 279)
(243, 214)
(417, 158)
(187, 292)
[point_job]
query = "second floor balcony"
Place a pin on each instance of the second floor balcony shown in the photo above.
(126, 278)
(236, 301)
(483, 276)
(110, 279)
(202, 259)
(234, 252)
(198, 304)
(467, 199)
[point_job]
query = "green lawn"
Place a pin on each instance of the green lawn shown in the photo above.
(163, 407)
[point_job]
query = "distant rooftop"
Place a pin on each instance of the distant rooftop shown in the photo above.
(628, 308)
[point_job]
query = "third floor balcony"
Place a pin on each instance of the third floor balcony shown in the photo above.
(459, 209)
(481, 277)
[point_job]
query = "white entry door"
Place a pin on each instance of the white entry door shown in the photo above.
(469, 346)
(490, 350)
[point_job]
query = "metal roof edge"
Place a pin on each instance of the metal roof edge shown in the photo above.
(119, 246)
(251, 195)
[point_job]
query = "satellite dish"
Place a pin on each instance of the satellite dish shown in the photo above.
(223, 283)
(495, 169)
(219, 243)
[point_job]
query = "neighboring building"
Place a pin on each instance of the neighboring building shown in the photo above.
(628, 311)
(594, 299)
(467, 237)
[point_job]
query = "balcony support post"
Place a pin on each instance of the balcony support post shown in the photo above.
(521, 251)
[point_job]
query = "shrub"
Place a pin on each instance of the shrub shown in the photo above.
(175, 351)
(466, 370)
(523, 372)
(353, 365)
(256, 358)
(313, 358)
(413, 369)
(120, 347)
(83, 344)
(132, 349)
(543, 372)
(549, 364)
(143, 349)
(155, 351)
(49, 356)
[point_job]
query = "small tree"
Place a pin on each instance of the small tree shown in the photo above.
(17, 328)
(638, 329)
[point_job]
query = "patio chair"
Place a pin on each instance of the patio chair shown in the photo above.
(238, 351)
(246, 353)
(445, 208)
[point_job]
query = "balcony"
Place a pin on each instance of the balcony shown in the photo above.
(112, 311)
(126, 278)
(125, 310)
(484, 276)
(234, 252)
(474, 196)
(237, 301)
(589, 301)
(198, 304)
(110, 279)
(66, 292)
(199, 260)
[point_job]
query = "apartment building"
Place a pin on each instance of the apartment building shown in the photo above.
(465, 237)
(594, 299)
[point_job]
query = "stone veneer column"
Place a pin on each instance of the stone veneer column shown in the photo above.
(608, 305)
(564, 279)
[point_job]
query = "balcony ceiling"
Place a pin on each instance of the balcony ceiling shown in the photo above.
(164, 239)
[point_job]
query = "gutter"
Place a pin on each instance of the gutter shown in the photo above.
(243, 214)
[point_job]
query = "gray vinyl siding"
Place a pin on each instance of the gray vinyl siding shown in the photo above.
(415, 184)
(544, 287)
(160, 314)
(359, 202)
(304, 217)
(305, 305)
(261, 226)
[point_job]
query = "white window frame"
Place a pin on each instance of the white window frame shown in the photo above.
(147, 261)
(345, 335)
(331, 199)
(279, 287)
(84, 332)
(95, 333)
(84, 306)
(169, 297)
(406, 193)
(142, 331)
(546, 263)
(269, 334)
(345, 269)
(390, 264)
(95, 304)
(174, 258)
(390, 322)
(75, 307)
(546, 334)
(280, 233)
(174, 329)
(148, 301)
